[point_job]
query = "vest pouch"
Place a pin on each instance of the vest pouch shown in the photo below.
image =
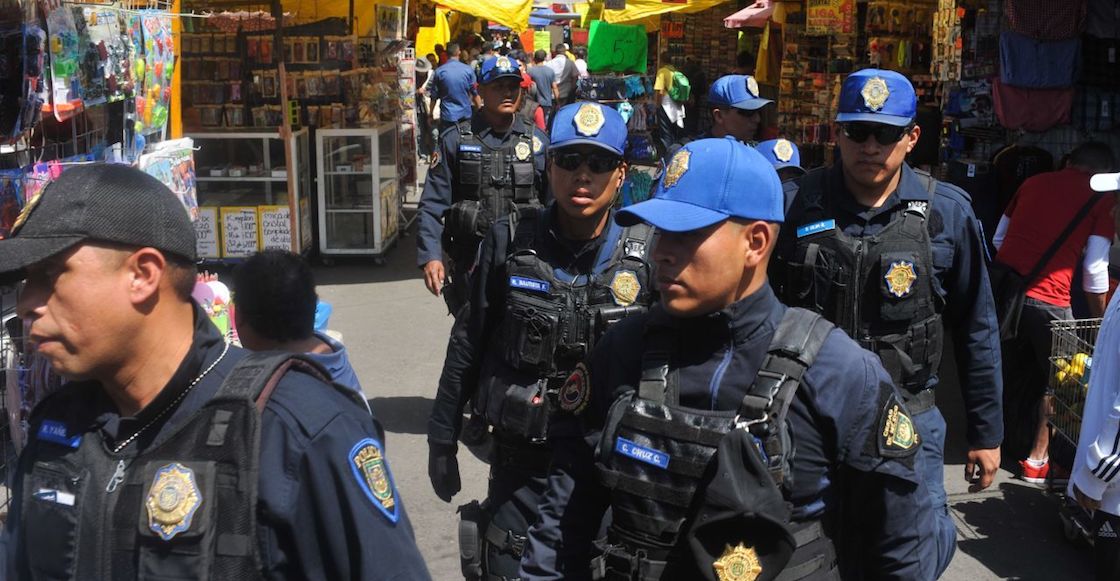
(470, 171)
(176, 524)
(525, 411)
(461, 223)
(52, 504)
(523, 173)
(818, 277)
(902, 278)
(529, 331)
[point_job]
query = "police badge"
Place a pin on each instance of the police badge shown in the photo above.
(172, 501)
(677, 168)
(625, 288)
(503, 64)
(521, 150)
(875, 93)
(783, 151)
(589, 119)
(740, 563)
(752, 86)
(900, 278)
(537, 145)
(367, 461)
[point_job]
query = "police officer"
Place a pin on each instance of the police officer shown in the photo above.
(784, 156)
(889, 255)
(731, 436)
(736, 110)
(488, 166)
(547, 285)
(170, 454)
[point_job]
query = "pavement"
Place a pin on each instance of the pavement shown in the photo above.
(397, 335)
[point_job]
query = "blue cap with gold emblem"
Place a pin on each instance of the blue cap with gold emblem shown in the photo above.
(781, 153)
(877, 96)
(738, 91)
(707, 182)
(591, 124)
(497, 67)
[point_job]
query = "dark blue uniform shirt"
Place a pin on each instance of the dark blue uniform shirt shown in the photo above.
(455, 85)
(439, 188)
(314, 520)
(473, 333)
(960, 279)
(834, 421)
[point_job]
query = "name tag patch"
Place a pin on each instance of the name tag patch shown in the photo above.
(55, 432)
(55, 496)
(815, 228)
(532, 284)
(641, 453)
(471, 148)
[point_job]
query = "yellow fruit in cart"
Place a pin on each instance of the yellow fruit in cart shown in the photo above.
(1077, 364)
(1061, 376)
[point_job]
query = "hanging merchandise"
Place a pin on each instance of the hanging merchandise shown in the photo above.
(1031, 109)
(1045, 19)
(153, 97)
(106, 62)
(1034, 64)
(172, 163)
(11, 199)
(64, 82)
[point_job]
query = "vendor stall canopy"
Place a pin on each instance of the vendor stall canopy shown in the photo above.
(304, 11)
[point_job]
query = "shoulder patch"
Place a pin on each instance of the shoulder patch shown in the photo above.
(538, 145)
(576, 391)
(897, 437)
(371, 470)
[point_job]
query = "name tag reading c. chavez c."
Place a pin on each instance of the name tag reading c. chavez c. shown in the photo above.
(641, 453)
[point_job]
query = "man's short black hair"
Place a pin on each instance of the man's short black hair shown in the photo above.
(274, 293)
(539, 56)
(453, 49)
(1094, 156)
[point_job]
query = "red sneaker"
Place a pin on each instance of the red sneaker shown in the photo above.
(1032, 474)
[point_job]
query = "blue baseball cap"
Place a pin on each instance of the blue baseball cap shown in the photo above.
(707, 182)
(588, 123)
(781, 153)
(877, 96)
(497, 67)
(739, 91)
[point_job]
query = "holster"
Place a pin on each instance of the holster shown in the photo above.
(472, 521)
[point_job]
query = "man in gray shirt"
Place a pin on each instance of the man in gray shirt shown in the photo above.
(545, 79)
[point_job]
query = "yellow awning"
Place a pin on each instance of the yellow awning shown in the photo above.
(311, 10)
(637, 10)
(513, 14)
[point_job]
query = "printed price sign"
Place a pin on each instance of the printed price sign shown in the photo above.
(616, 47)
(239, 231)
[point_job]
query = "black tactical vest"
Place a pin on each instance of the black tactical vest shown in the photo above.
(184, 509)
(553, 318)
(492, 183)
(657, 458)
(878, 289)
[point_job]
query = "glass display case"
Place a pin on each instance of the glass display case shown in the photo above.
(247, 193)
(359, 190)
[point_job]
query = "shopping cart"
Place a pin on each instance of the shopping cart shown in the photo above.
(1071, 365)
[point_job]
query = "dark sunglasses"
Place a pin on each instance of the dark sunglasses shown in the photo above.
(884, 134)
(746, 113)
(596, 162)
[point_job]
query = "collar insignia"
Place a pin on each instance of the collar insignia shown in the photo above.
(172, 500)
(589, 119)
(875, 93)
(739, 563)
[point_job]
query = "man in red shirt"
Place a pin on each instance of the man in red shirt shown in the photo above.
(1040, 211)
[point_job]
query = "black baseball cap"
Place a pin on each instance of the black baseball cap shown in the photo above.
(102, 202)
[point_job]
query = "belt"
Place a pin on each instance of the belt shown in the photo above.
(518, 453)
(632, 567)
(504, 540)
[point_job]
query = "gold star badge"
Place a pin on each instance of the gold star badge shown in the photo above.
(900, 278)
(521, 150)
(783, 150)
(677, 168)
(589, 119)
(738, 564)
(875, 93)
(503, 64)
(625, 288)
(172, 500)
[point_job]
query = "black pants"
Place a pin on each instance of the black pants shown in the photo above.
(1106, 546)
(668, 132)
(1026, 373)
(516, 488)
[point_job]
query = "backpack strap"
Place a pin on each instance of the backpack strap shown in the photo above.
(657, 383)
(763, 410)
(258, 373)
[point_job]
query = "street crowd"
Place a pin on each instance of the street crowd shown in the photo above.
(731, 380)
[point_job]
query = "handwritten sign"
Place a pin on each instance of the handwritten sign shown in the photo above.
(239, 231)
(824, 17)
(206, 233)
(275, 229)
(616, 47)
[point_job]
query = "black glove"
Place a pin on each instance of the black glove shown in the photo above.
(443, 470)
